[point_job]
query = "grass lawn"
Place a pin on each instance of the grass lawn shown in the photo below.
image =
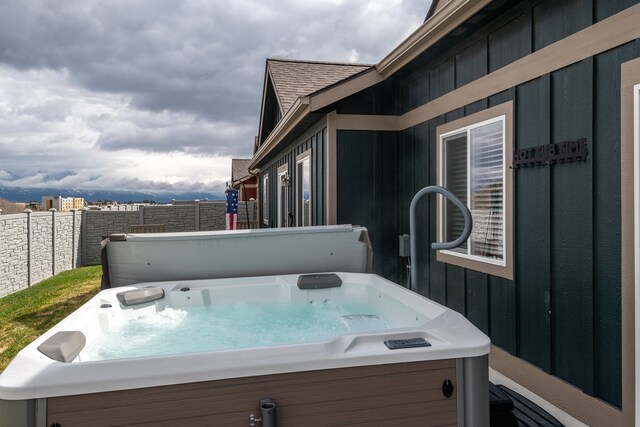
(26, 314)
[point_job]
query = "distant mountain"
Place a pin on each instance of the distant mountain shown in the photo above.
(20, 194)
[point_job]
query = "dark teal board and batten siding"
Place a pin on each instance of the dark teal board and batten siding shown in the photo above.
(606, 205)
(562, 311)
(523, 27)
(366, 168)
(315, 140)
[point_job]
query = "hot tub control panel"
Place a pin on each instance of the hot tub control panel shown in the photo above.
(406, 343)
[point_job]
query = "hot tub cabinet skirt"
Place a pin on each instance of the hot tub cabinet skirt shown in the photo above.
(401, 394)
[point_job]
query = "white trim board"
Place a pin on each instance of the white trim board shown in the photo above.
(636, 232)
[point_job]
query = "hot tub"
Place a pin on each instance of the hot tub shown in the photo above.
(391, 357)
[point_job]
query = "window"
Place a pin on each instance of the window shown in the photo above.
(473, 153)
(303, 189)
(265, 198)
(283, 196)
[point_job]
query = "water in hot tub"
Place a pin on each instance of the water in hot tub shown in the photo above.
(233, 326)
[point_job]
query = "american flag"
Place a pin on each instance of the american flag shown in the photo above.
(232, 209)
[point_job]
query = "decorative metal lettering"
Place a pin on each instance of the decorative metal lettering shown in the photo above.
(563, 152)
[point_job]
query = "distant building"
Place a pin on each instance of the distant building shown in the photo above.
(243, 181)
(78, 203)
(48, 202)
(62, 204)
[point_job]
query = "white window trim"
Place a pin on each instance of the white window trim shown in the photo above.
(636, 231)
(467, 130)
(299, 159)
(501, 268)
(265, 198)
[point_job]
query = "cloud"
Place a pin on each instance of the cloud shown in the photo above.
(171, 133)
(84, 82)
(134, 172)
(205, 57)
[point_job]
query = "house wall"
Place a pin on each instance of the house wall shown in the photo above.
(248, 189)
(367, 166)
(314, 140)
(562, 311)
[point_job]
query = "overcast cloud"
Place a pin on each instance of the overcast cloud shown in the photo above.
(160, 95)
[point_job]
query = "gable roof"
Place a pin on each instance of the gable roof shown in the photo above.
(293, 79)
(443, 17)
(239, 169)
(435, 6)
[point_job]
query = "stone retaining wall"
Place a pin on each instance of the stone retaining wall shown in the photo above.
(99, 224)
(14, 253)
(175, 218)
(35, 246)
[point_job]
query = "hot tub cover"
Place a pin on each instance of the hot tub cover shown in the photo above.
(239, 253)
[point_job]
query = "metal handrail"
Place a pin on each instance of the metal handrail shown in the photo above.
(466, 232)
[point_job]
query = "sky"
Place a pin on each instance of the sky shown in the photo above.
(155, 95)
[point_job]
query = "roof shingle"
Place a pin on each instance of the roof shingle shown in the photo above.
(239, 169)
(293, 79)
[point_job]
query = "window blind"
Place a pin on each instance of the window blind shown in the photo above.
(455, 180)
(486, 192)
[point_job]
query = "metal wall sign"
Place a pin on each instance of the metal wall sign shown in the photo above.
(550, 154)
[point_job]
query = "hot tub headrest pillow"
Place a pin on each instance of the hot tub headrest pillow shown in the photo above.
(63, 346)
(319, 281)
(140, 296)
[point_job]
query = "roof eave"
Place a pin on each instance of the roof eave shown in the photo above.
(297, 112)
(242, 180)
(313, 102)
(443, 21)
(264, 96)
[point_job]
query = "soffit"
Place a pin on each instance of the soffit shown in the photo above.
(305, 123)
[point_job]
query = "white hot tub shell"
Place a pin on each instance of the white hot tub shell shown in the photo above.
(348, 377)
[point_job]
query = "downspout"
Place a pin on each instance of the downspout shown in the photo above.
(246, 203)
